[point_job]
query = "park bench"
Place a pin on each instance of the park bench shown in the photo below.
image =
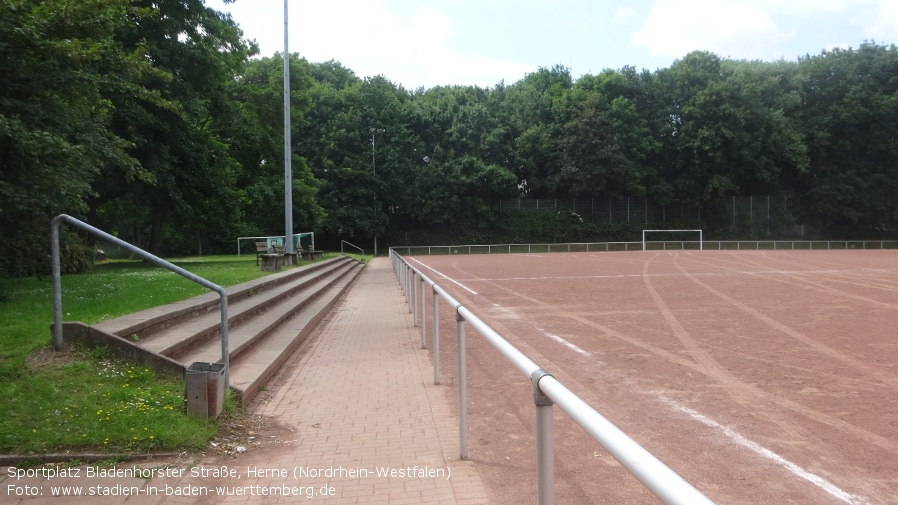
(271, 261)
(309, 255)
(261, 248)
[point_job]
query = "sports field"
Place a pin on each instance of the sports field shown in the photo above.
(758, 376)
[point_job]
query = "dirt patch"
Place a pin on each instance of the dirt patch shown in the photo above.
(46, 357)
(242, 433)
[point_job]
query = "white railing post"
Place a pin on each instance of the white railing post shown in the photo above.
(436, 336)
(413, 305)
(423, 313)
(462, 387)
(408, 275)
(545, 445)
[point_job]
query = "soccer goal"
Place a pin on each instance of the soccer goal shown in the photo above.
(306, 240)
(669, 233)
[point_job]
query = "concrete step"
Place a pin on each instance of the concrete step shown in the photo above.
(144, 323)
(179, 330)
(267, 320)
(256, 364)
(276, 312)
(195, 332)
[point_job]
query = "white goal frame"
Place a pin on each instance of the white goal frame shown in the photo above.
(276, 239)
(700, 237)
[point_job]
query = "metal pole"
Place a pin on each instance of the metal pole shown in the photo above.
(374, 131)
(410, 296)
(545, 448)
(57, 285)
(414, 301)
(288, 172)
(462, 388)
(423, 314)
(436, 337)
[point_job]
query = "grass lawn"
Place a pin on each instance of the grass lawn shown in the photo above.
(89, 399)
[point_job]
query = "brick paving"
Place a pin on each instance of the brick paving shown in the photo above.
(368, 426)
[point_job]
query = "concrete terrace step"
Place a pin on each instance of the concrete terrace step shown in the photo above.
(146, 322)
(258, 363)
(205, 326)
(278, 310)
(267, 320)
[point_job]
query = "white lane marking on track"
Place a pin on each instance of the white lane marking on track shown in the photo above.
(565, 343)
(757, 448)
(450, 279)
(640, 276)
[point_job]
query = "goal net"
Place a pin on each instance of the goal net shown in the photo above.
(671, 239)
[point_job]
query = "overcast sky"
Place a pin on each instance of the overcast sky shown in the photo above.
(482, 42)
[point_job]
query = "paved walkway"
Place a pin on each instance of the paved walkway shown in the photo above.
(368, 426)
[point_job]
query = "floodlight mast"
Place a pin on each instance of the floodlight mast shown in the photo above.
(288, 173)
(375, 131)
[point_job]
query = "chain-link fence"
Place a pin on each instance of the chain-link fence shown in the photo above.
(752, 216)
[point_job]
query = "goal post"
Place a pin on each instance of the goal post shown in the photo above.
(698, 232)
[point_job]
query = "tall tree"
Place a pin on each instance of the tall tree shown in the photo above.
(593, 160)
(56, 58)
(851, 102)
(195, 51)
(255, 133)
(536, 103)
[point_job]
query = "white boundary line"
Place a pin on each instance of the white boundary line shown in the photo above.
(450, 279)
(757, 448)
(565, 343)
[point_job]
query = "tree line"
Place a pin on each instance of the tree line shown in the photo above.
(157, 121)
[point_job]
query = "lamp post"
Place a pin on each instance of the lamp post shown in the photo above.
(288, 171)
(375, 131)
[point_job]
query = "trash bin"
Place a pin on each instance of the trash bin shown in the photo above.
(204, 389)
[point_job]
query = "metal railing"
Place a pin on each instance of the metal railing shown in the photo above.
(670, 245)
(57, 281)
(663, 482)
(342, 242)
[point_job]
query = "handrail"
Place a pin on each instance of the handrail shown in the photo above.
(657, 477)
(353, 245)
(57, 281)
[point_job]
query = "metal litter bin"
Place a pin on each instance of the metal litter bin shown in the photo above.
(204, 389)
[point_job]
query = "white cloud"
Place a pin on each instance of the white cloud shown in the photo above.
(808, 7)
(728, 28)
(883, 26)
(414, 50)
(624, 15)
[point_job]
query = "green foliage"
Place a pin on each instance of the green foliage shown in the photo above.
(75, 256)
(56, 57)
(151, 120)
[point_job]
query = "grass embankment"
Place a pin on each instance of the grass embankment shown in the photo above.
(88, 399)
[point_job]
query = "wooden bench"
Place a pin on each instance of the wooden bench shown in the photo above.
(272, 262)
(261, 248)
(309, 255)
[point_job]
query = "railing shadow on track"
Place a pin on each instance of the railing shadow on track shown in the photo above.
(657, 477)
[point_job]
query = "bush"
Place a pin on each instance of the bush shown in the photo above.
(75, 256)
